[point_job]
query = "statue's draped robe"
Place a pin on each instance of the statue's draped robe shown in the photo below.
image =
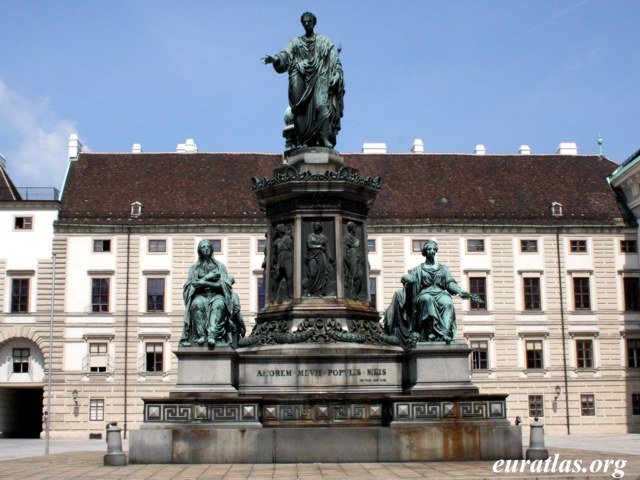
(432, 311)
(282, 267)
(211, 300)
(397, 319)
(352, 265)
(317, 108)
(318, 264)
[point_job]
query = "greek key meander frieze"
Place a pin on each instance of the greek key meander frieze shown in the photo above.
(199, 412)
(468, 410)
(251, 412)
(323, 412)
(318, 331)
(290, 174)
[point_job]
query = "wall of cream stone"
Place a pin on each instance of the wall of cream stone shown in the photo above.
(504, 324)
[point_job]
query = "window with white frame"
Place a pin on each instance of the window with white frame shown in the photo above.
(588, 405)
(584, 353)
(475, 245)
(478, 286)
(628, 246)
(416, 245)
(21, 358)
(23, 223)
(98, 358)
(578, 246)
(157, 245)
(101, 245)
(373, 292)
(261, 245)
(371, 245)
(536, 406)
(155, 294)
(531, 293)
(631, 290)
(96, 410)
(479, 354)
(154, 356)
(534, 354)
(216, 245)
(528, 246)
(262, 293)
(581, 292)
(633, 352)
(100, 295)
(20, 295)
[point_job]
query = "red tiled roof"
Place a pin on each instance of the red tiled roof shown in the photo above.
(8, 191)
(215, 188)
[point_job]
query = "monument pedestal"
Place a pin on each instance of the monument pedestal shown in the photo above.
(219, 376)
(208, 444)
(318, 379)
(439, 367)
(336, 402)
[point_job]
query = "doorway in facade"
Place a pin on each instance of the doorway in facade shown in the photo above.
(21, 412)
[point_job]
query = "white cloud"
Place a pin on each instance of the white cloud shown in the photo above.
(36, 140)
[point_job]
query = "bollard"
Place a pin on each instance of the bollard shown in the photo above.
(536, 450)
(115, 457)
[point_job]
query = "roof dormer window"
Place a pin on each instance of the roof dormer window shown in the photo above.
(556, 209)
(136, 209)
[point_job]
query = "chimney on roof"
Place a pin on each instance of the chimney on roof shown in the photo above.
(187, 147)
(418, 146)
(480, 150)
(137, 148)
(524, 150)
(75, 146)
(3, 161)
(567, 148)
(374, 148)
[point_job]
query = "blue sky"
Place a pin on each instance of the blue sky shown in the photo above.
(455, 73)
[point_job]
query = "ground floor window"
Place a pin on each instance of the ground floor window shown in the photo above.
(635, 403)
(588, 405)
(21, 360)
(536, 406)
(96, 410)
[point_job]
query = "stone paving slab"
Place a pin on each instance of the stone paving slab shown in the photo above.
(88, 465)
(83, 459)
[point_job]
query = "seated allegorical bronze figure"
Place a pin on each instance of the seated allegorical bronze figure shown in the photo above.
(212, 309)
(423, 310)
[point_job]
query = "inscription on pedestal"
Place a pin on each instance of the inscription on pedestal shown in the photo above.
(300, 374)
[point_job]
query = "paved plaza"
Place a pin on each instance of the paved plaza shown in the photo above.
(83, 459)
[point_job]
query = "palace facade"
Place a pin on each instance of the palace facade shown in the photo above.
(549, 241)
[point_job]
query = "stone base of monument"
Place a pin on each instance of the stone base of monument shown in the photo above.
(415, 443)
(324, 403)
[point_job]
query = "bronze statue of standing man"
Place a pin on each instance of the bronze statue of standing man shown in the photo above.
(316, 85)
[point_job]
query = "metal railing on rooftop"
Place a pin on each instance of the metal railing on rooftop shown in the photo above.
(33, 193)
